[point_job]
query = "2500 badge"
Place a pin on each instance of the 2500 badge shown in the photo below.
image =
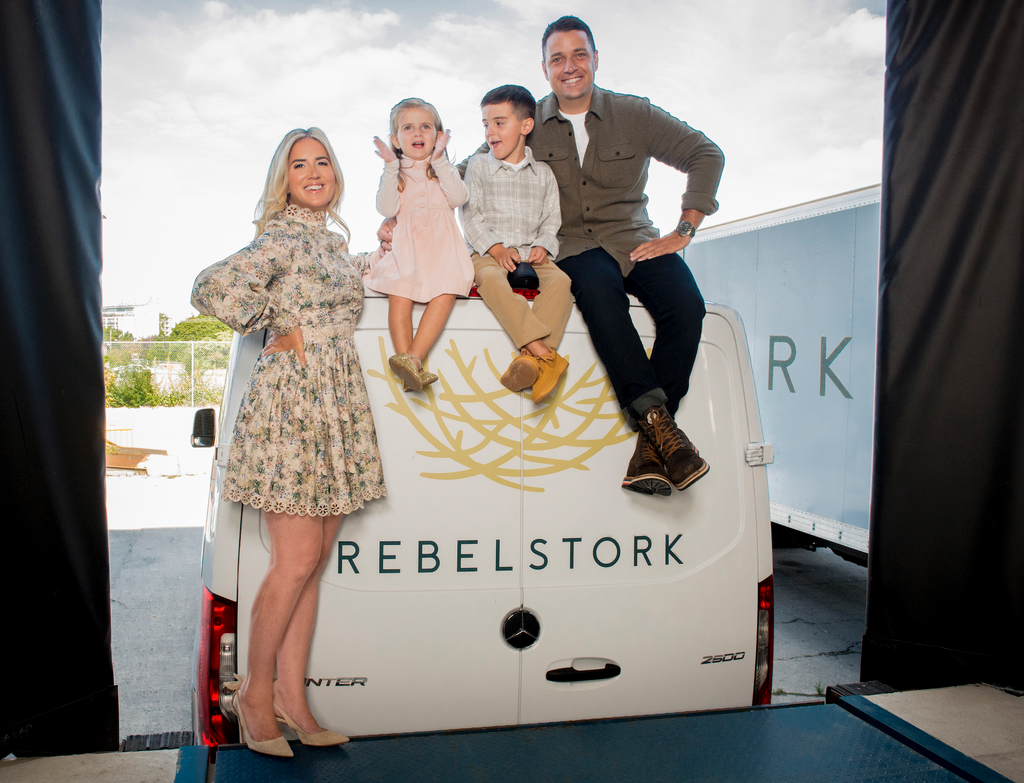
(725, 658)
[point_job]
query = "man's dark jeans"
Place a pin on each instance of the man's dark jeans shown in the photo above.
(665, 286)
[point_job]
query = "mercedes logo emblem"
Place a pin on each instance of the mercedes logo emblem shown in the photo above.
(520, 629)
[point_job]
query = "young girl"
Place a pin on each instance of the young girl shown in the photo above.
(429, 261)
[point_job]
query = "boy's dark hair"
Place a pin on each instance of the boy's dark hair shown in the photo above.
(565, 25)
(519, 98)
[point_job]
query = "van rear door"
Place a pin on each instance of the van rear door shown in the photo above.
(648, 604)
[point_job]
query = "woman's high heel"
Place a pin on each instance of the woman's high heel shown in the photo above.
(274, 747)
(322, 739)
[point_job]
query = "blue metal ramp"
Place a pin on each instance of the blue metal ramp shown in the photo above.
(807, 743)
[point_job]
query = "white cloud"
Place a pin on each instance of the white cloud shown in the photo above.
(194, 108)
(861, 33)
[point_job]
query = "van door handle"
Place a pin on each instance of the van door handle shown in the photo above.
(584, 670)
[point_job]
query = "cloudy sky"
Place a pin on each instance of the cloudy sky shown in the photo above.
(198, 94)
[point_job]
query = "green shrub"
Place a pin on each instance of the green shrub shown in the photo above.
(135, 374)
(132, 388)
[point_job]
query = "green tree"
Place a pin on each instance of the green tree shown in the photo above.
(165, 322)
(200, 327)
(113, 334)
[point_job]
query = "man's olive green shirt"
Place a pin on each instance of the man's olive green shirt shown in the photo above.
(603, 201)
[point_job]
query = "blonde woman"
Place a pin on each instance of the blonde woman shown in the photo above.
(304, 449)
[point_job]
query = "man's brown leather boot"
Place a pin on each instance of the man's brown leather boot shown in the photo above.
(646, 472)
(683, 463)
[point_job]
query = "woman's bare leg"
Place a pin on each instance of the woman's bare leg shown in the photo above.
(431, 323)
(400, 323)
(296, 544)
(293, 655)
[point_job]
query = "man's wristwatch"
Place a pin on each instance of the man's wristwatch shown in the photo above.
(686, 229)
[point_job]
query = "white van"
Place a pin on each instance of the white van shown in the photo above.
(508, 578)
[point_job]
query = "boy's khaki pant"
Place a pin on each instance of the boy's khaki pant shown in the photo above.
(551, 307)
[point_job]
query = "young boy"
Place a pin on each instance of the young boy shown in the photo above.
(512, 215)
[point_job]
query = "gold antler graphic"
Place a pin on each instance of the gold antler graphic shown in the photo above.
(474, 431)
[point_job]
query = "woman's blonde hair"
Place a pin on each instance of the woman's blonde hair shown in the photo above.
(275, 191)
(396, 110)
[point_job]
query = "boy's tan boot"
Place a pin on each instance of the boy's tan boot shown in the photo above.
(551, 368)
(522, 373)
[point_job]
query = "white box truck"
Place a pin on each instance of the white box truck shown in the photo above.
(507, 578)
(805, 281)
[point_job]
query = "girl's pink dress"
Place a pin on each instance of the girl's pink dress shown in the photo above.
(428, 253)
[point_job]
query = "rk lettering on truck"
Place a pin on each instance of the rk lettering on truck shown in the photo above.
(805, 282)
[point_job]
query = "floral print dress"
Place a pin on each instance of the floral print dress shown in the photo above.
(304, 441)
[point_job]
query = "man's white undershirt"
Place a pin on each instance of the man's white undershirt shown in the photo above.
(579, 130)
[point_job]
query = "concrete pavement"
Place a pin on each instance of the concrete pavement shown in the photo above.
(156, 766)
(155, 591)
(820, 605)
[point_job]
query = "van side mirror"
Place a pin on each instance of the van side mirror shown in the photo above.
(204, 428)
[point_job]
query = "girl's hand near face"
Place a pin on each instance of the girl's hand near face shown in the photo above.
(442, 142)
(384, 150)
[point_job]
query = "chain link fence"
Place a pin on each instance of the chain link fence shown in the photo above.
(152, 373)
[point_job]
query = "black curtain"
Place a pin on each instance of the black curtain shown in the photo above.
(946, 572)
(58, 693)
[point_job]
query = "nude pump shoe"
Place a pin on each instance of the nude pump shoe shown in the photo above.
(273, 747)
(322, 739)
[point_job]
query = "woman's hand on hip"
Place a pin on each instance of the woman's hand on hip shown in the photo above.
(286, 342)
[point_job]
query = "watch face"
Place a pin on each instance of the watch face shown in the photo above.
(685, 228)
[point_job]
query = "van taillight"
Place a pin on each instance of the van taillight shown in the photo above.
(765, 635)
(219, 617)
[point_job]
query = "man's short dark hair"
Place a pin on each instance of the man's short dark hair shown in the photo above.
(566, 24)
(519, 98)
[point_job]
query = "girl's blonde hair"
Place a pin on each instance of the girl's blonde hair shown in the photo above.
(396, 110)
(275, 191)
